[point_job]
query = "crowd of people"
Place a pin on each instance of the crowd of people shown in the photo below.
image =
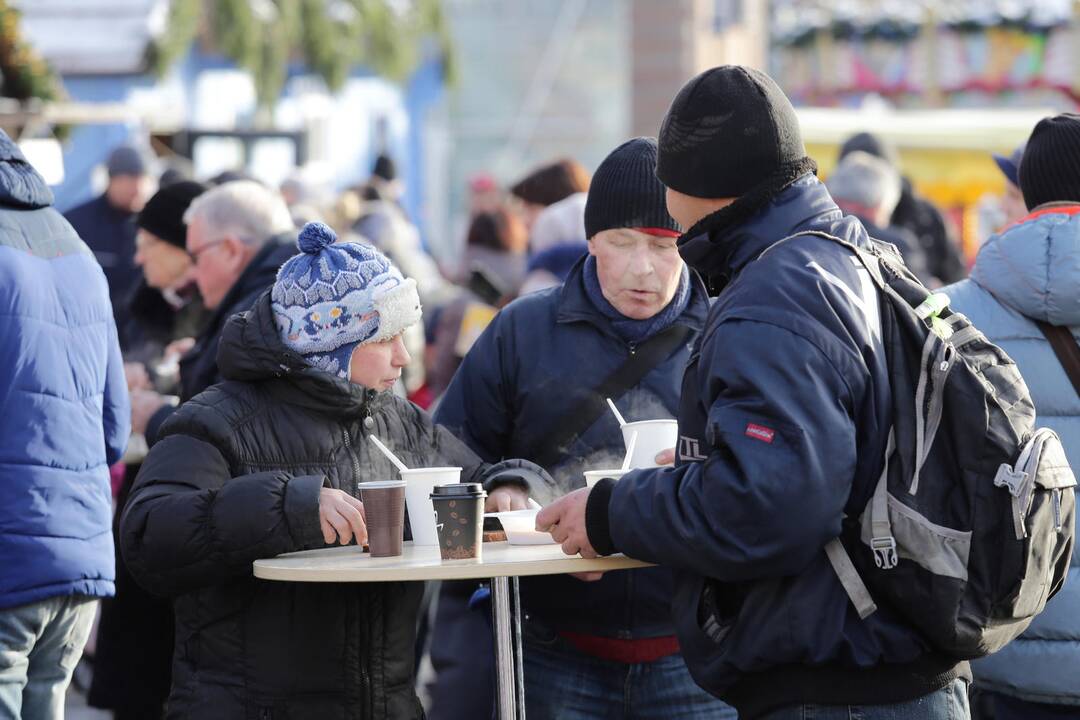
(191, 372)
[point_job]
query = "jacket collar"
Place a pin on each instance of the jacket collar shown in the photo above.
(252, 351)
(574, 304)
(721, 244)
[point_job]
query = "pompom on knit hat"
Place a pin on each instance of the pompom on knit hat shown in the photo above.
(1050, 168)
(625, 192)
(335, 296)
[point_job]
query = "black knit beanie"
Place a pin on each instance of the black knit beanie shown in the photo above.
(163, 214)
(625, 193)
(729, 130)
(1050, 169)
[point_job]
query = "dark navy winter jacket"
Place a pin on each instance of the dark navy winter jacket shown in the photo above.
(529, 368)
(783, 424)
(64, 413)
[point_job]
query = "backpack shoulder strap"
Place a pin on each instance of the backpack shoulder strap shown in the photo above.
(551, 445)
(1065, 347)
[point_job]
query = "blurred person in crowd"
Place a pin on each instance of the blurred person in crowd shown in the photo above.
(133, 659)
(916, 214)
(236, 239)
(485, 195)
(605, 648)
(301, 196)
(491, 269)
(869, 188)
(256, 466)
(1025, 280)
(1012, 202)
(65, 421)
(546, 186)
(784, 422)
(107, 225)
(556, 243)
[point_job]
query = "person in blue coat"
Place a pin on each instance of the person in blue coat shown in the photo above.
(64, 419)
(604, 648)
(107, 225)
(783, 425)
(1028, 273)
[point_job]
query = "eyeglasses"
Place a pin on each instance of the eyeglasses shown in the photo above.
(194, 254)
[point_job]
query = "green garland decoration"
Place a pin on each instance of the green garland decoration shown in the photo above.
(25, 74)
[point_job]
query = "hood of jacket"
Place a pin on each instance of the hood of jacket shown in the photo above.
(20, 184)
(721, 244)
(252, 351)
(1033, 266)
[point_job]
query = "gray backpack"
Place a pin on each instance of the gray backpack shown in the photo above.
(971, 525)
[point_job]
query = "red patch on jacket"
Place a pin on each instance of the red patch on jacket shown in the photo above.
(760, 432)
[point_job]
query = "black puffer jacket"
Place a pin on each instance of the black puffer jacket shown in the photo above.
(235, 477)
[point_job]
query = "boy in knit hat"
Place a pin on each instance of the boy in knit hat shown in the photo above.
(268, 462)
(534, 386)
(783, 426)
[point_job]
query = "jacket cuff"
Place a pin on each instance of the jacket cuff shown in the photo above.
(302, 510)
(596, 517)
(153, 425)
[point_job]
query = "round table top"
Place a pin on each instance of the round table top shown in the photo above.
(422, 562)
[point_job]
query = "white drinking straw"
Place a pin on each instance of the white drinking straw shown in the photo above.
(386, 451)
(629, 451)
(618, 415)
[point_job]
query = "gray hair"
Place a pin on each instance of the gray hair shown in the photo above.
(865, 180)
(244, 209)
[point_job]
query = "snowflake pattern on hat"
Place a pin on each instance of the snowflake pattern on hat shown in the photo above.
(335, 296)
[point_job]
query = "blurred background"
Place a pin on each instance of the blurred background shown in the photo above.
(455, 91)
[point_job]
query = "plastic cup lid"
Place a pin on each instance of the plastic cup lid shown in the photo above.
(454, 490)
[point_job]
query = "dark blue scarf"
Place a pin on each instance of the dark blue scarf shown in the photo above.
(630, 330)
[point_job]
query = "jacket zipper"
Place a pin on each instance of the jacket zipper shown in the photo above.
(355, 464)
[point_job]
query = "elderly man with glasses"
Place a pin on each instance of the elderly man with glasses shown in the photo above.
(237, 238)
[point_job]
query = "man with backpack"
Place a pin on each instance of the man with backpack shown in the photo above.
(789, 406)
(1023, 294)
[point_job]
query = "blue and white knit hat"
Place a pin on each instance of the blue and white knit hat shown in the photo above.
(335, 296)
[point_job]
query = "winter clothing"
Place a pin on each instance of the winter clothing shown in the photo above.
(199, 368)
(335, 296)
(511, 391)
(625, 193)
(163, 214)
(1050, 168)
(730, 112)
(235, 477)
(1031, 272)
(125, 160)
(64, 412)
(630, 330)
(778, 442)
(110, 233)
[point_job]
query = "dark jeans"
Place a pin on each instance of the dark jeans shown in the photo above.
(562, 683)
(948, 703)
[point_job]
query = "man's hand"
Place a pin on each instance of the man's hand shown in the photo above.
(507, 497)
(342, 517)
(136, 376)
(565, 520)
(144, 403)
(665, 457)
(178, 348)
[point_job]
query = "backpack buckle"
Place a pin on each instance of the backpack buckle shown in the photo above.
(884, 552)
(1009, 478)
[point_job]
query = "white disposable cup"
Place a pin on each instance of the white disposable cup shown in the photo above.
(653, 437)
(520, 527)
(593, 476)
(418, 485)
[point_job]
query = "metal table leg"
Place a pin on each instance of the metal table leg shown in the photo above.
(509, 676)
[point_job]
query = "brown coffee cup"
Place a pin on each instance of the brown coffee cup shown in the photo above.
(459, 519)
(384, 509)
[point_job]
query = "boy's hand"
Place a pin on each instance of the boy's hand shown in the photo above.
(342, 517)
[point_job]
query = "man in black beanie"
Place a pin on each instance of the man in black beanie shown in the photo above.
(783, 427)
(533, 386)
